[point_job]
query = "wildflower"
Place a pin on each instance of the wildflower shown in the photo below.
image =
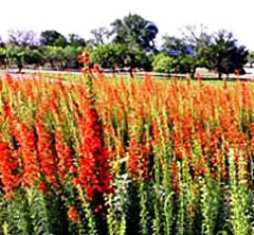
(8, 169)
(72, 213)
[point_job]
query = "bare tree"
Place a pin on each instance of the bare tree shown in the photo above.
(23, 38)
(197, 36)
(100, 35)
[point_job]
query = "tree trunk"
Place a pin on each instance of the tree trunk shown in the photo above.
(113, 71)
(219, 67)
(19, 63)
(219, 75)
(131, 72)
(52, 64)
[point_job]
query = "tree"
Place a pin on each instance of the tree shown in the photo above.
(114, 55)
(33, 57)
(176, 46)
(17, 53)
(75, 40)
(183, 59)
(135, 31)
(224, 55)
(55, 56)
(197, 36)
(23, 38)
(70, 56)
(110, 55)
(138, 59)
(218, 51)
(52, 38)
(184, 64)
(3, 57)
(162, 63)
(100, 36)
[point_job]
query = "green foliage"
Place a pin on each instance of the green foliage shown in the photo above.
(52, 38)
(109, 55)
(118, 206)
(210, 203)
(126, 46)
(3, 52)
(139, 59)
(76, 41)
(162, 63)
(70, 56)
(184, 64)
(135, 31)
(55, 56)
(224, 55)
(39, 213)
(33, 56)
(239, 197)
(174, 46)
(198, 48)
(116, 55)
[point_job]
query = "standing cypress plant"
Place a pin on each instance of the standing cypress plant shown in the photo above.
(210, 203)
(239, 198)
(87, 71)
(145, 189)
(158, 189)
(181, 202)
(94, 170)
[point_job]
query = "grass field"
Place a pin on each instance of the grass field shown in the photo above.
(115, 156)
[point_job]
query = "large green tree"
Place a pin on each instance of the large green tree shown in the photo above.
(33, 57)
(181, 52)
(224, 55)
(16, 54)
(52, 38)
(197, 47)
(115, 55)
(54, 55)
(109, 56)
(135, 31)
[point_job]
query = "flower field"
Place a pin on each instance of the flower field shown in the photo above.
(125, 156)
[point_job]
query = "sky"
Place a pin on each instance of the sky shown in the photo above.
(81, 16)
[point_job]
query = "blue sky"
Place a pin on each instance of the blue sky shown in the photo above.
(81, 16)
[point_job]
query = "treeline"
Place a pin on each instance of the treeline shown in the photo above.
(52, 48)
(129, 44)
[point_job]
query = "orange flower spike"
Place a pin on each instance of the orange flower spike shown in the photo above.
(27, 152)
(8, 165)
(72, 213)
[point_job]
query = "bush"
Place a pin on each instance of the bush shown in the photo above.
(162, 63)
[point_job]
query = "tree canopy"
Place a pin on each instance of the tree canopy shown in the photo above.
(218, 51)
(135, 31)
(52, 38)
(129, 43)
